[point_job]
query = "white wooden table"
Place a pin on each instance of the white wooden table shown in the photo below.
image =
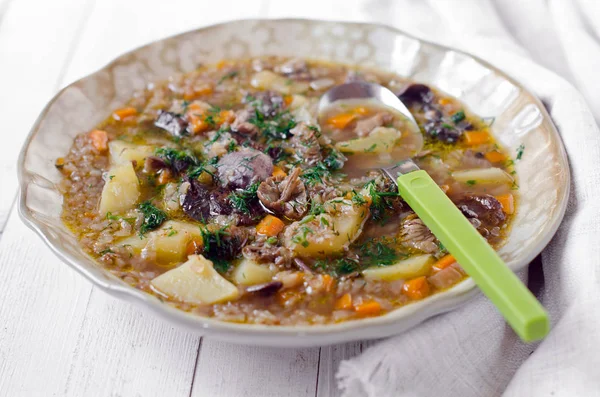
(58, 334)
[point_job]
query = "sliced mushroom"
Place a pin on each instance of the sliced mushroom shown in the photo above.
(266, 289)
(284, 195)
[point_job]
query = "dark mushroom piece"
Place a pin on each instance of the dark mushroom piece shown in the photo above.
(202, 203)
(416, 93)
(265, 290)
(483, 211)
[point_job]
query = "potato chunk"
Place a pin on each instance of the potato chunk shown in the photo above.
(124, 152)
(267, 80)
(380, 140)
(330, 232)
(169, 243)
(483, 175)
(248, 272)
(121, 190)
(408, 268)
(171, 240)
(195, 282)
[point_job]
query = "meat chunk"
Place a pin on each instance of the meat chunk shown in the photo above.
(284, 195)
(295, 68)
(447, 277)
(305, 142)
(267, 103)
(242, 125)
(415, 234)
(171, 122)
(484, 212)
(262, 252)
(238, 170)
(364, 127)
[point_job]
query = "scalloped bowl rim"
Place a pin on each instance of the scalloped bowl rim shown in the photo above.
(391, 323)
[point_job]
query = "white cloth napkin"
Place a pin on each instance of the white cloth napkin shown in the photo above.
(471, 351)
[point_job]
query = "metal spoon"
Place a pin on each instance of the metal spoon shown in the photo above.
(511, 297)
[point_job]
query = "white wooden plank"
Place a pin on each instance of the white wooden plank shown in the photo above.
(125, 351)
(329, 361)
(229, 370)
(42, 306)
(35, 38)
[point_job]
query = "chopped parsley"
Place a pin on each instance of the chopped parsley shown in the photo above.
(520, 151)
(242, 199)
(272, 128)
(229, 75)
(380, 201)
(301, 234)
(106, 251)
(337, 267)
(378, 252)
(313, 175)
(471, 182)
(458, 116)
(153, 217)
(316, 208)
(172, 156)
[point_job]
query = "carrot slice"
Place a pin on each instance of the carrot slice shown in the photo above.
(368, 308)
(287, 99)
(120, 114)
(270, 226)
(495, 157)
(444, 101)
(476, 137)
(344, 302)
(417, 288)
(508, 203)
(327, 282)
(193, 247)
(225, 116)
(197, 123)
(99, 140)
(341, 120)
(443, 263)
(278, 171)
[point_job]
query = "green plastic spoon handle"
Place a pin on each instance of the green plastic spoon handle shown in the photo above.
(517, 304)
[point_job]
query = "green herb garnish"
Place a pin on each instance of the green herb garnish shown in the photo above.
(520, 151)
(378, 252)
(229, 75)
(153, 217)
(241, 199)
(458, 116)
(471, 182)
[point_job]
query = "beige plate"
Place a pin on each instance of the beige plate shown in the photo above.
(520, 119)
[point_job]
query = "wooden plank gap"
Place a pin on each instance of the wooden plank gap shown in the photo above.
(318, 372)
(195, 366)
(78, 346)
